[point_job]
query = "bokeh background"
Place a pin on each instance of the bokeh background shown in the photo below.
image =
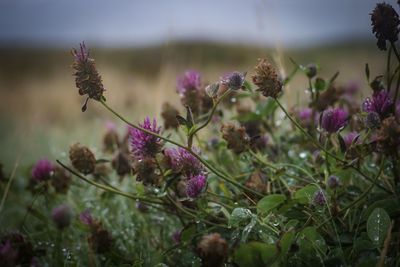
(141, 46)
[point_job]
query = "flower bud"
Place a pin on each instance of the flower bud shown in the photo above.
(237, 138)
(333, 182)
(311, 70)
(62, 216)
(319, 198)
(82, 158)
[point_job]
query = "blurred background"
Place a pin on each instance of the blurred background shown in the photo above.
(141, 46)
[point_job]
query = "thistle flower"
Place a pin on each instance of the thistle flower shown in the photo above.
(234, 80)
(169, 114)
(350, 138)
(143, 144)
(385, 24)
(237, 138)
(372, 121)
(42, 170)
(305, 116)
(182, 161)
(267, 79)
(213, 250)
(61, 180)
(381, 103)
(195, 185)
(333, 120)
(82, 158)
(121, 164)
(333, 182)
(87, 79)
(62, 216)
(319, 198)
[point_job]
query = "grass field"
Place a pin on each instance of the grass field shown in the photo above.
(40, 108)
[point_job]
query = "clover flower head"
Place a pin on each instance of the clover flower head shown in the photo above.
(350, 138)
(42, 170)
(195, 185)
(333, 182)
(381, 103)
(319, 198)
(62, 215)
(191, 80)
(333, 119)
(143, 144)
(385, 24)
(183, 161)
(234, 80)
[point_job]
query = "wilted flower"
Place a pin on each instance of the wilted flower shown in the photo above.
(42, 170)
(147, 172)
(389, 136)
(237, 138)
(333, 182)
(62, 215)
(385, 24)
(110, 139)
(121, 163)
(213, 250)
(143, 144)
(195, 185)
(319, 198)
(234, 80)
(333, 120)
(61, 180)
(372, 121)
(381, 103)
(82, 158)
(350, 138)
(183, 161)
(169, 114)
(267, 79)
(87, 79)
(257, 181)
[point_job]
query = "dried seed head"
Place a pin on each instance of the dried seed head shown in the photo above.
(87, 79)
(267, 79)
(385, 24)
(169, 114)
(121, 164)
(61, 180)
(213, 250)
(389, 136)
(146, 170)
(82, 158)
(62, 216)
(257, 181)
(237, 138)
(100, 239)
(110, 141)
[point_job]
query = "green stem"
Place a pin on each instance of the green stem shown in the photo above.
(109, 189)
(205, 163)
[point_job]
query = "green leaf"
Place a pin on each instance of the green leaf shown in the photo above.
(305, 194)
(255, 254)
(239, 215)
(286, 242)
(270, 202)
(377, 225)
(310, 242)
(187, 233)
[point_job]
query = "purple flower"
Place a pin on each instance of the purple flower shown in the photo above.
(234, 80)
(82, 54)
(333, 181)
(333, 119)
(189, 81)
(86, 218)
(62, 216)
(143, 144)
(319, 198)
(195, 185)
(182, 161)
(176, 236)
(350, 138)
(305, 116)
(381, 103)
(42, 170)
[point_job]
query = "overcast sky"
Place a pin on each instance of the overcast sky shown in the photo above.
(125, 23)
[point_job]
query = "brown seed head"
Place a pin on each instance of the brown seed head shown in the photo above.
(82, 158)
(267, 79)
